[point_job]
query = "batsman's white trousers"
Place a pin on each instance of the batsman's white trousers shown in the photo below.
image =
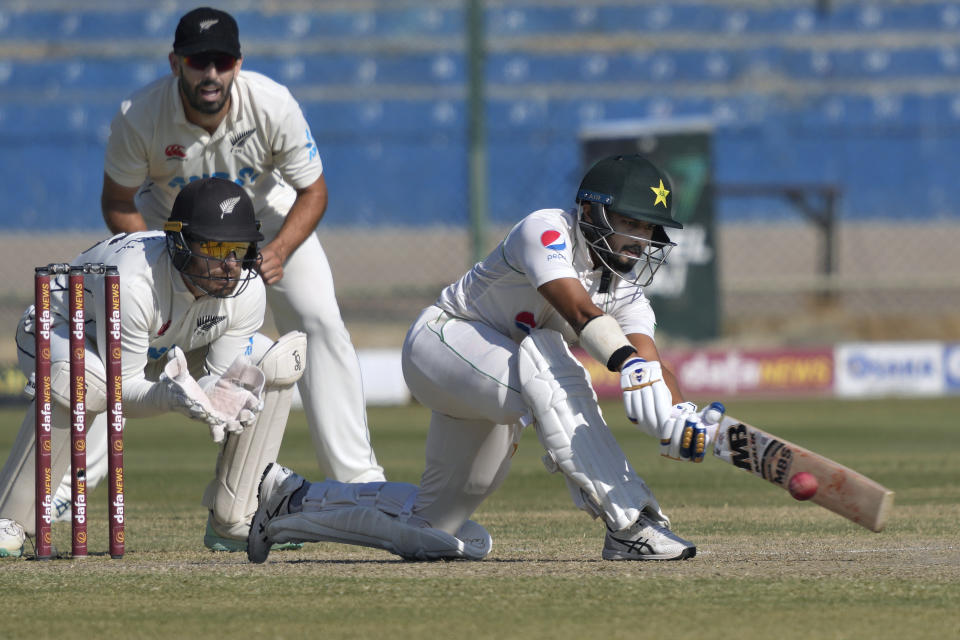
(331, 388)
(466, 373)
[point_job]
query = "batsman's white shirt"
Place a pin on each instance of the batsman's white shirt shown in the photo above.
(501, 291)
(460, 355)
(264, 145)
(158, 312)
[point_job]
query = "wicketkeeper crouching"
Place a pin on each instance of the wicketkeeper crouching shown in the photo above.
(192, 303)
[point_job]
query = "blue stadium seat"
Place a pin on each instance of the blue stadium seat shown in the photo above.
(407, 119)
(361, 69)
(794, 94)
(91, 25)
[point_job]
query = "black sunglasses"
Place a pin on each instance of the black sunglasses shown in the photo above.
(200, 61)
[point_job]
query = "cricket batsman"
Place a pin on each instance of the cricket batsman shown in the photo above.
(491, 356)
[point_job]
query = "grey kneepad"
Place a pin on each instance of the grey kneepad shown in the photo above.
(375, 514)
(95, 398)
(285, 361)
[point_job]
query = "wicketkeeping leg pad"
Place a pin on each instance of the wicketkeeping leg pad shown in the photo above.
(232, 495)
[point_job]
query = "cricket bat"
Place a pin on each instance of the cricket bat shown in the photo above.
(839, 489)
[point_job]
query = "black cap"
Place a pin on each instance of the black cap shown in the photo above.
(214, 209)
(205, 29)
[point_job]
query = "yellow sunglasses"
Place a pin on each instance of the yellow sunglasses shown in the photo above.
(222, 250)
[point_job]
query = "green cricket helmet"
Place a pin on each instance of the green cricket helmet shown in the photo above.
(635, 188)
(631, 186)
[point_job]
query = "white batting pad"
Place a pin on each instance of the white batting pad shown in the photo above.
(557, 389)
(232, 494)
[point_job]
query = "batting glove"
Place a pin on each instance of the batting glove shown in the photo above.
(686, 434)
(646, 398)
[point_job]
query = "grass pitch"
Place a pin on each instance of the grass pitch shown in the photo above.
(767, 566)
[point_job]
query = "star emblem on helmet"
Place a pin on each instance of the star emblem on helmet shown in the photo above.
(661, 194)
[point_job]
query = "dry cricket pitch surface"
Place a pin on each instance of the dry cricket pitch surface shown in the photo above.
(767, 566)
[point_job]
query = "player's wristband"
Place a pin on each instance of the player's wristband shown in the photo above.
(605, 341)
(619, 357)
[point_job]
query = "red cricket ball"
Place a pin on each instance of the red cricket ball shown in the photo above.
(803, 485)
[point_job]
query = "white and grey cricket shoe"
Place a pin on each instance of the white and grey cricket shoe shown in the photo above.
(12, 538)
(646, 539)
(277, 484)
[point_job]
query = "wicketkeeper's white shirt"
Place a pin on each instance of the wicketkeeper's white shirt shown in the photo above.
(158, 311)
(264, 145)
(501, 291)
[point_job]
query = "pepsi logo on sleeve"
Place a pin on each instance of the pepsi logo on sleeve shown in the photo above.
(553, 240)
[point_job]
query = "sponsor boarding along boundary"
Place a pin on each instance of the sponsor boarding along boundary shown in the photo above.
(847, 370)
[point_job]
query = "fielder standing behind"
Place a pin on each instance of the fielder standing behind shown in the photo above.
(209, 118)
(191, 303)
(490, 356)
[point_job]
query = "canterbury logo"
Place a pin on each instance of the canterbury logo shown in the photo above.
(206, 24)
(227, 206)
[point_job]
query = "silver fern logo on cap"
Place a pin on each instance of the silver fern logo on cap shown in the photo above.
(227, 206)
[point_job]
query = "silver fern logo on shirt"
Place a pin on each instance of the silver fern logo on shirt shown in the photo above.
(237, 140)
(205, 323)
(228, 205)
